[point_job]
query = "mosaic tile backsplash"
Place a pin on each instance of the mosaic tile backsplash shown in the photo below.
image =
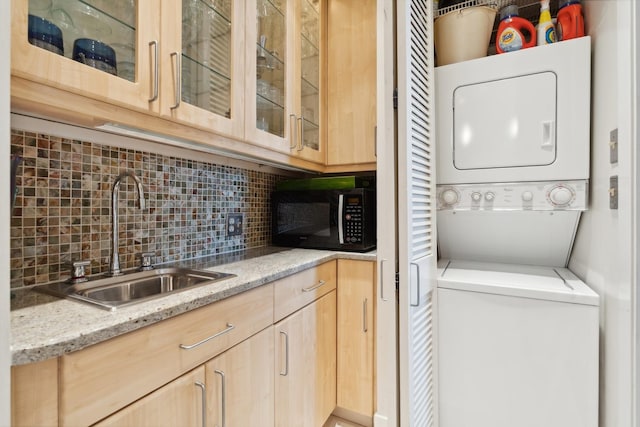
(62, 210)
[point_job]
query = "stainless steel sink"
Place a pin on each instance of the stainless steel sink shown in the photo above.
(112, 292)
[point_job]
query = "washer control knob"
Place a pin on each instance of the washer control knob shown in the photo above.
(449, 197)
(489, 196)
(527, 196)
(561, 195)
(476, 196)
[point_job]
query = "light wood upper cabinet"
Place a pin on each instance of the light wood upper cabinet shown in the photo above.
(356, 334)
(130, 28)
(291, 81)
(305, 364)
(351, 80)
(202, 64)
(240, 384)
(283, 78)
(179, 403)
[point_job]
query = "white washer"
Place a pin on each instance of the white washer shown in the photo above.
(517, 346)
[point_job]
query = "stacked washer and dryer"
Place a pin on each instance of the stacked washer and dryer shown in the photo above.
(517, 331)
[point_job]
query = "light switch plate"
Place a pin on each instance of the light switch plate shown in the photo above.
(234, 224)
(613, 146)
(613, 192)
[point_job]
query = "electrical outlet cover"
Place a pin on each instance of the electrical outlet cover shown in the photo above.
(234, 224)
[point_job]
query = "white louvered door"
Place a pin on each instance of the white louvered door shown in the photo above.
(416, 212)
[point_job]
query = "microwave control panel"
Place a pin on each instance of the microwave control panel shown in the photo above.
(353, 218)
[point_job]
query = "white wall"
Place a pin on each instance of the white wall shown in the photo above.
(5, 27)
(604, 250)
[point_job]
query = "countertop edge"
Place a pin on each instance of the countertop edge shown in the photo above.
(86, 325)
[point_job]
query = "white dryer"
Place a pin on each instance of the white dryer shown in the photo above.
(513, 144)
(517, 346)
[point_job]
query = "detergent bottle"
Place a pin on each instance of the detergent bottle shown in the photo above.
(546, 30)
(514, 32)
(570, 20)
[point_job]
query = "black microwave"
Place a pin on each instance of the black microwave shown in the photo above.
(342, 220)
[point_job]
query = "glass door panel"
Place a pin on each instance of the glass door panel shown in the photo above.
(206, 55)
(270, 66)
(98, 33)
(310, 72)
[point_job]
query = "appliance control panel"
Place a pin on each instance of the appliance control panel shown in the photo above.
(514, 196)
(353, 217)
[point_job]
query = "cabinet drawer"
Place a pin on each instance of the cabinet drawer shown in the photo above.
(103, 378)
(294, 292)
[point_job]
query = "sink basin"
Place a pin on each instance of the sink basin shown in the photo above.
(112, 292)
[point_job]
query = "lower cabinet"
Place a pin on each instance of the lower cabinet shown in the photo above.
(305, 364)
(225, 364)
(240, 384)
(179, 403)
(356, 335)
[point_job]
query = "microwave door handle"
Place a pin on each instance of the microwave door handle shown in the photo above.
(340, 217)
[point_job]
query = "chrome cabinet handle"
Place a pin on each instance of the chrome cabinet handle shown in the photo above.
(375, 141)
(314, 287)
(365, 324)
(154, 78)
(204, 402)
(301, 131)
(292, 129)
(286, 354)
(224, 397)
(229, 328)
(417, 304)
(178, 82)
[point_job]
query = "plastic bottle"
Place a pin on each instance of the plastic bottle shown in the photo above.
(514, 32)
(570, 20)
(546, 31)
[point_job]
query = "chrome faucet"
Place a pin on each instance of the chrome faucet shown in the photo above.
(114, 268)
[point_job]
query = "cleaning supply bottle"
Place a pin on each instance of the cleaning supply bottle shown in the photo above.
(570, 20)
(546, 31)
(514, 32)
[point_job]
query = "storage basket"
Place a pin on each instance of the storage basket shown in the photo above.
(463, 34)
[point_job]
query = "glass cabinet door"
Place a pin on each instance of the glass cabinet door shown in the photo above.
(98, 48)
(270, 66)
(268, 83)
(309, 78)
(203, 63)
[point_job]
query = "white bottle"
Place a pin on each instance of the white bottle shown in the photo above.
(545, 29)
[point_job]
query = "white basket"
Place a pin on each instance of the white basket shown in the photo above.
(463, 34)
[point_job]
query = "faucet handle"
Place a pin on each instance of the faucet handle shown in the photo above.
(78, 271)
(145, 261)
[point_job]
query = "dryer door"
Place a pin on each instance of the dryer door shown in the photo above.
(508, 122)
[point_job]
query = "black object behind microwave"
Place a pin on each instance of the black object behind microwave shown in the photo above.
(325, 219)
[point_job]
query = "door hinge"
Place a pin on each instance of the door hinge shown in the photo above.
(397, 281)
(395, 98)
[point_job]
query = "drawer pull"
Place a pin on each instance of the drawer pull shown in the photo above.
(229, 328)
(314, 287)
(204, 402)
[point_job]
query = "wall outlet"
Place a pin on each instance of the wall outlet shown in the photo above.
(234, 224)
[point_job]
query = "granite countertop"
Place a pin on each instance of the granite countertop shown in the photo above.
(44, 327)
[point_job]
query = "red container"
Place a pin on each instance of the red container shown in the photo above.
(514, 32)
(570, 20)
